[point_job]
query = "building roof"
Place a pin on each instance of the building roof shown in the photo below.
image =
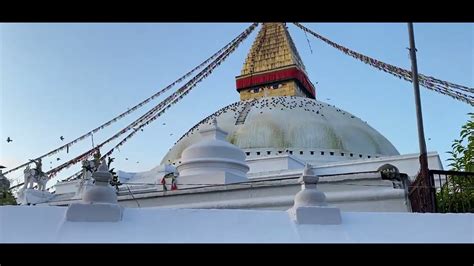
(161, 225)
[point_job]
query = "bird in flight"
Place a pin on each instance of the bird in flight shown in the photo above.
(62, 138)
(9, 139)
(57, 159)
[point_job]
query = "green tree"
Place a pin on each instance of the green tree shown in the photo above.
(457, 194)
(463, 148)
(115, 179)
(7, 198)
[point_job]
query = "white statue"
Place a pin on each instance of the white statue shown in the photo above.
(33, 176)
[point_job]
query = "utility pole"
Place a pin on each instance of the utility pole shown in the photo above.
(419, 117)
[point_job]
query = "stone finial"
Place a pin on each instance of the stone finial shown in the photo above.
(103, 167)
(308, 179)
(309, 194)
(310, 205)
(213, 131)
(102, 176)
(307, 170)
(212, 160)
(99, 202)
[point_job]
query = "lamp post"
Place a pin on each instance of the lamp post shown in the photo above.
(419, 117)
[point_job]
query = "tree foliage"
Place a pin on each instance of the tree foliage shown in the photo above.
(115, 179)
(462, 155)
(457, 194)
(7, 198)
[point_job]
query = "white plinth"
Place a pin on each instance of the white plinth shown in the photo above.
(33, 196)
(316, 215)
(94, 212)
(216, 178)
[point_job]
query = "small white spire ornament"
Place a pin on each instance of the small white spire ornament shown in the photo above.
(310, 205)
(212, 160)
(99, 203)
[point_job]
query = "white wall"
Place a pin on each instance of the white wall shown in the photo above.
(408, 164)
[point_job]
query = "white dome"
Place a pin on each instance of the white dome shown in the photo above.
(301, 126)
(212, 153)
(213, 148)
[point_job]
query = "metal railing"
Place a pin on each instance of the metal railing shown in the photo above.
(454, 191)
(443, 192)
(422, 195)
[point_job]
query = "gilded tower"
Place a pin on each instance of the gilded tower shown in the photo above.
(273, 67)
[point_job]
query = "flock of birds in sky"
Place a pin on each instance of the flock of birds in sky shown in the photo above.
(9, 139)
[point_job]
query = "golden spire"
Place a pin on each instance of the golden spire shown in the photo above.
(273, 48)
(273, 66)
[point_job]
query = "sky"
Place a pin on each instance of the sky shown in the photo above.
(64, 79)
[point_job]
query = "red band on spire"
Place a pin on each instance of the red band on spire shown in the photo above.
(274, 76)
